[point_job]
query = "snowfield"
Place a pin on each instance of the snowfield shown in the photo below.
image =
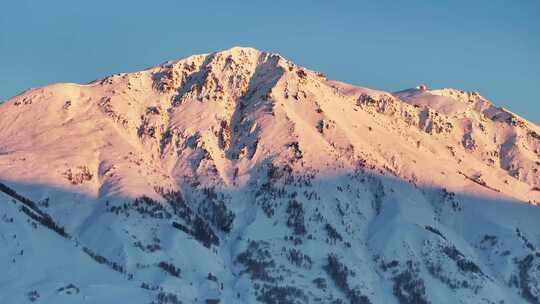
(240, 177)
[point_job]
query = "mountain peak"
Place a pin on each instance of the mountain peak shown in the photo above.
(245, 51)
(240, 177)
(236, 52)
(241, 49)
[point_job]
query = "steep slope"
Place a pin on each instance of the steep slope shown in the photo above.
(493, 135)
(239, 177)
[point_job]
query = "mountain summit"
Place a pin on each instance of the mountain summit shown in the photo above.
(240, 177)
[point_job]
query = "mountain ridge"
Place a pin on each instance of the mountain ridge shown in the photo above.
(240, 177)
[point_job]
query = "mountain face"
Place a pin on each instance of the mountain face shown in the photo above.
(240, 177)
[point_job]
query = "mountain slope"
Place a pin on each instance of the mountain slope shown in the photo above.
(240, 177)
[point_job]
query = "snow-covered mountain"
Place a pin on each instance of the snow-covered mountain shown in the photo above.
(240, 177)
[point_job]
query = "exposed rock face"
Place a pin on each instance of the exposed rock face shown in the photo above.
(240, 177)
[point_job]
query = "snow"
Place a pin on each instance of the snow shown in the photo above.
(420, 195)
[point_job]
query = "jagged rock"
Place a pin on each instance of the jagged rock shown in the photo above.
(239, 177)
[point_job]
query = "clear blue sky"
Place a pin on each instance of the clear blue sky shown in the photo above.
(488, 46)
